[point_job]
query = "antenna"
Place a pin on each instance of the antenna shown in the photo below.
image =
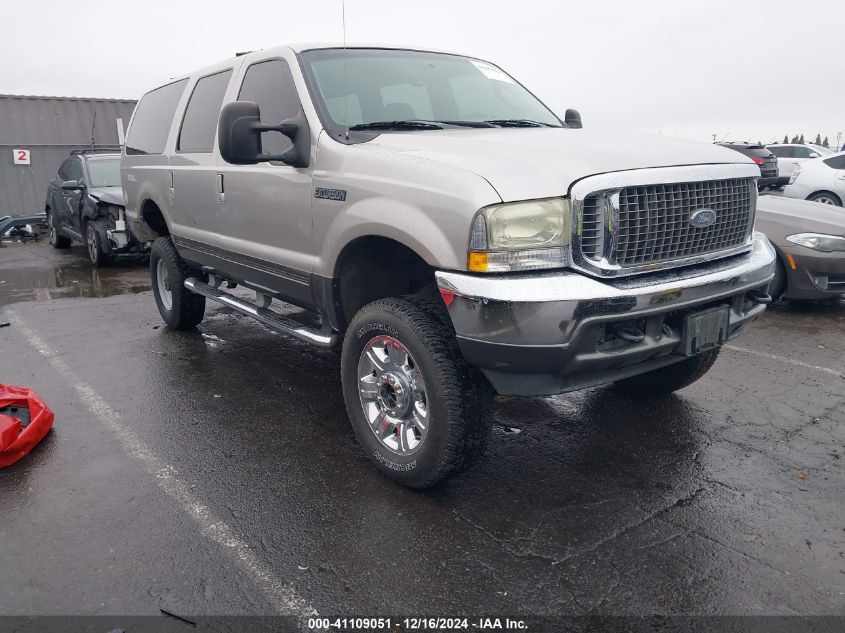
(345, 90)
(93, 123)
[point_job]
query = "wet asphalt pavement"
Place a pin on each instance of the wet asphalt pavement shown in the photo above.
(216, 473)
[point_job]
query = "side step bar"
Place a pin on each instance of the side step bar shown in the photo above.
(265, 316)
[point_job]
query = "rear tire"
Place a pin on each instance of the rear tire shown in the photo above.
(56, 240)
(671, 378)
(180, 308)
(826, 197)
(420, 413)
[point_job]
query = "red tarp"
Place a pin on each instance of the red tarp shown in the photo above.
(16, 441)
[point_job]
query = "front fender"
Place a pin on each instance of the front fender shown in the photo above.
(399, 221)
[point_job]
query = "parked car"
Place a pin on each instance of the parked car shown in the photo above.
(810, 242)
(790, 154)
(85, 204)
(821, 180)
(464, 238)
(763, 158)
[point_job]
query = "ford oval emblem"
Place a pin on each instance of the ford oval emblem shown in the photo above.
(702, 218)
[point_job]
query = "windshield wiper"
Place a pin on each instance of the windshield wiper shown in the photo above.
(519, 123)
(396, 125)
(466, 123)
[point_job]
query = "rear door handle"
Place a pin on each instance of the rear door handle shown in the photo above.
(221, 190)
(171, 190)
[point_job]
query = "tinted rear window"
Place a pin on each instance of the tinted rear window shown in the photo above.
(153, 116)
(202, 113)
(757, 151)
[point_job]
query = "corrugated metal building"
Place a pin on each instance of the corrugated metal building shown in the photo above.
(49, 127)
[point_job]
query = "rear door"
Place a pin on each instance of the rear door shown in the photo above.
(837, 164)
(264, 211)
(191, 170)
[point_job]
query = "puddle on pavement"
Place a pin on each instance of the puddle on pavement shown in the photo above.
(70, 281)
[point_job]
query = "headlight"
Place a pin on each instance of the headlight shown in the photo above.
(819, 242)
(796, 171)
(521, 236)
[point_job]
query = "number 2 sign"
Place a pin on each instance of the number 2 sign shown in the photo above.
(21, 156)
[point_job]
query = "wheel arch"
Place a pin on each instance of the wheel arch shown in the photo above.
(152, 220)
(372, 267)
(828, 192)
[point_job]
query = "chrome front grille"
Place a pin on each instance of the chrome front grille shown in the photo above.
(641, 225)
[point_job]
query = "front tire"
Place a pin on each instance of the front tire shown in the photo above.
(670, 378)
(180, 308)
(420, 413)
(56, 240)
(96, 253)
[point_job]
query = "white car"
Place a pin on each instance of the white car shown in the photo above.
(821, 180)
(790, 154)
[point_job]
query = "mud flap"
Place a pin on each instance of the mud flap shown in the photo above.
(24, 421)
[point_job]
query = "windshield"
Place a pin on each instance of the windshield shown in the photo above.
(104, 172)
(362, 86)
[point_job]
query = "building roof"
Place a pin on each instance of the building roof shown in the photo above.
(30, 120)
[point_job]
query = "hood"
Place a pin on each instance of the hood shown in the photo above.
(108, 195)
(525, 163)
(778, 217)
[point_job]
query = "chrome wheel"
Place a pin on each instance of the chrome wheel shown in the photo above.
(393, 395)
(163, 284)
(91, 241)
(52, 224)
(825, 200)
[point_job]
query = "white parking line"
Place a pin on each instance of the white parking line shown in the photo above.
(281, 595)
(788, 361)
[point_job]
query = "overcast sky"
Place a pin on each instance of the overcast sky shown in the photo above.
(742, 69)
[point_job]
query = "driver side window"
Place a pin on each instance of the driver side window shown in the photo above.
(73, 169)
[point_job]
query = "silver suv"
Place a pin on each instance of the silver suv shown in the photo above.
(465, 239)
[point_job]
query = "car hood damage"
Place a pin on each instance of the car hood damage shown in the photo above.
(523, 164)
(108, 195)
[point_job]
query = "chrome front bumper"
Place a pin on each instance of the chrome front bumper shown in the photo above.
(547, 333)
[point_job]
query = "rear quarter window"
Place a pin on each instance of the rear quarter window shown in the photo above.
(836, 162)
(153, 117)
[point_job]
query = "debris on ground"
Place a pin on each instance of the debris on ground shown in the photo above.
(24, 421)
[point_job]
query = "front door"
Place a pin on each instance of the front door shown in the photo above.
(264, 220)
(70, 202)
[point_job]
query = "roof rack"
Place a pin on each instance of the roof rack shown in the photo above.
(97, 149)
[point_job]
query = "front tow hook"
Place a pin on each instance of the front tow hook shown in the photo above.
(758, 296)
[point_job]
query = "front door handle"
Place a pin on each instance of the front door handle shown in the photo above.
(221, 190)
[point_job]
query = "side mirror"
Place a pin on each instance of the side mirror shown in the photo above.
(72, 185)
(572, 118)
(239, 136)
